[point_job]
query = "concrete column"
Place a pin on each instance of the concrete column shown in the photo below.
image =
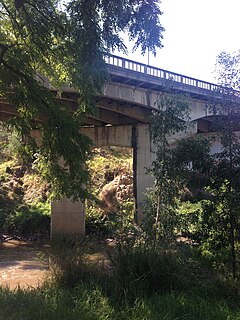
(67, 219)
(142, 160)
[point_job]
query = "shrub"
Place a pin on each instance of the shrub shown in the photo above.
(97, 224)
(143, 269)
(27, 220)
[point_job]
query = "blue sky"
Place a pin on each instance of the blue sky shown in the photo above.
(196, 32)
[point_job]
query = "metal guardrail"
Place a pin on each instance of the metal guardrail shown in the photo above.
(159, 73)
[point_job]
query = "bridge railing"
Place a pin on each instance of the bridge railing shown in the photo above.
(159, 73)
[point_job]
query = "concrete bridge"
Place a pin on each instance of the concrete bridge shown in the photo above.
(122, 119)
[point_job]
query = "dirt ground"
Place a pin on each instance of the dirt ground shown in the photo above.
(23, 264)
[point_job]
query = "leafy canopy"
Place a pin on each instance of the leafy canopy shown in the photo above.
(45, 39)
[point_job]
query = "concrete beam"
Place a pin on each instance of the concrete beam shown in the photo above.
(110, 136)
(148, 99)
(137, 113)
(130, 94)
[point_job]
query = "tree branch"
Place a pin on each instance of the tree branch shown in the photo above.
(4, 48)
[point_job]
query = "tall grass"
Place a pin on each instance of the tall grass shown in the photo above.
(140, 282)
(72, 263)
(142, 269)
(90, 302)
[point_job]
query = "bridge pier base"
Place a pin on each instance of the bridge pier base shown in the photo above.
(67, 219)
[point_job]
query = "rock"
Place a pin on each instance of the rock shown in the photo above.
(116, 191)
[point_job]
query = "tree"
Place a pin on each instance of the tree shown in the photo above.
(220, 219)
(65, 44)
(225, 175)
(220, 172)
(190, 162)
(169, 118)
(227, 69)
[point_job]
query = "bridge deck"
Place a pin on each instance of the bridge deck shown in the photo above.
(138, 74)
(117, 111)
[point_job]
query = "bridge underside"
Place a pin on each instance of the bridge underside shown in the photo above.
(122, 119)
(116, 123)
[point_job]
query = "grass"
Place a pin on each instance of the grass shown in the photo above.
(81, 290)
(90, 302)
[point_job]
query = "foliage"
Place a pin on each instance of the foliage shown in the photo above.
(28, 220)
(42, 41)
(190, 219)
(169, 119)
(191, 156)
(182, 163)
(227, 69)
(19, 212)
(216, 223)
(74, 262)
(87, 289)
(225, 173)
(142, 267)
(107, 163)
(97, 224)
(18, 215)
(3, 144)
(188, 165)
(12, 145)
(144, 282)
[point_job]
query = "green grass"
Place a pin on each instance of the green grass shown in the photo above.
(81, 289)
(90, 302)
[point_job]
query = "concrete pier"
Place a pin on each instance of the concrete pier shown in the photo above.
(67, 219)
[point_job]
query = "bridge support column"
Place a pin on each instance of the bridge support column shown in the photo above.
(142, 160)
(67, 219)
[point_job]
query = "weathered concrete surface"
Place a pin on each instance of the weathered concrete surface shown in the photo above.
(143, 157)
(149, 98)
(215, 140)
(67, 218)
(119, 136)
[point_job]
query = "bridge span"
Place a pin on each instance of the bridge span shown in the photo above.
(122, 119)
